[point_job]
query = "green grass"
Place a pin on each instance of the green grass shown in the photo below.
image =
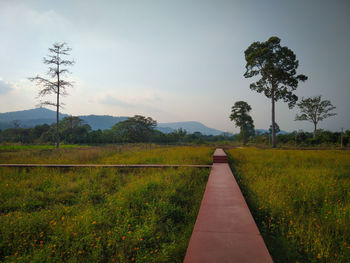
(163, 155)
(125, 154)
(18, 146)
(300, 201)
(100, 214)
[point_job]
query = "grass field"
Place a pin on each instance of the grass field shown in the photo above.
(99, 214)
(127, 154)
(300, 201)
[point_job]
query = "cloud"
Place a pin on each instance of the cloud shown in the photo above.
(31, 18)
(140, 102)
(5, 87)
(109, 100)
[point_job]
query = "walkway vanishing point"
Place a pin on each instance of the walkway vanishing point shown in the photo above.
(225, 230)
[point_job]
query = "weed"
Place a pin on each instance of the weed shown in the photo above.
(300, 201)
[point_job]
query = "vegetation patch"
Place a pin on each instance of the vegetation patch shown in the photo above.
(95, 215)
(300, 201)
(100, 214)
(123, 154)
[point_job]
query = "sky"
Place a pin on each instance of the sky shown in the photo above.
(175, 60)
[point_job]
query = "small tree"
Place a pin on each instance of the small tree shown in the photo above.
(240, 115)
(314, 110)
(55, 84)
(277, 67)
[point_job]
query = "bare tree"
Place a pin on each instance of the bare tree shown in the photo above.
(55, 84)
(314, 110)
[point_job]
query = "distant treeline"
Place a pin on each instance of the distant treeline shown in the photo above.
(304, 139)
(73, 130)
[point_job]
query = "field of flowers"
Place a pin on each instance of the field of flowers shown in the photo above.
(300, 201)
(100, 214)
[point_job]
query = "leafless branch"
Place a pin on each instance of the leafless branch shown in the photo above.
(55, 84)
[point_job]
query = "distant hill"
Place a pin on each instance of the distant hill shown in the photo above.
(33, 114)
(28, 118)
(38, 116)
(261, 131)
(101, 122)
(189, 126)
(165, 129)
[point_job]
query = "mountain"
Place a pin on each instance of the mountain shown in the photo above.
(262, 131)
(164, 129)
(33, 114)
(101, 122)
(189, 126)
(38, 116)
(30, 118)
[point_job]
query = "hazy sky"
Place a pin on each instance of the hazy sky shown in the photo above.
(175, 60)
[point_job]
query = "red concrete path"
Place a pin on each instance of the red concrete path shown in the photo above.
(225, 230)
(219, 156)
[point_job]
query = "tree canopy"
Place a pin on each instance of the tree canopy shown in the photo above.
(240, 115)
(73, 129)
(314, 110)
(135, 129)
(276, 66)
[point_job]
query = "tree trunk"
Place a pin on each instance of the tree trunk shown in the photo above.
(315, 128)
(244, 134)
(57, 122)
(274, 144)
(58, 108)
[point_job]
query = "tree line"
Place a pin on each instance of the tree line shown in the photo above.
(140, 129)
(137, 129)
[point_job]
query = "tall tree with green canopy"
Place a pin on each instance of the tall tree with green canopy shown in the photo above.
(314, 110)
(240, 115)
(277, 67)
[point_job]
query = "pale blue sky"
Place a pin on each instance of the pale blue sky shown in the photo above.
(175, 60)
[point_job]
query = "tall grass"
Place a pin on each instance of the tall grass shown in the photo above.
(19, 146)
(63, 155)
(123, 154)
(98, 215)
(300, 201)
(147, 154)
